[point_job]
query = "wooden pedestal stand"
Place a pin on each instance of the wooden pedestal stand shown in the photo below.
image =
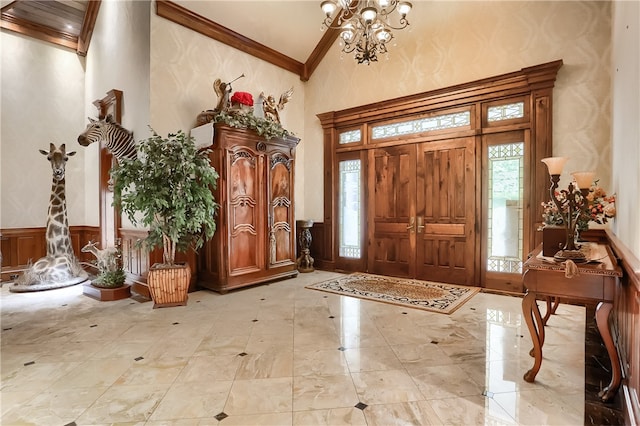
(106, 294)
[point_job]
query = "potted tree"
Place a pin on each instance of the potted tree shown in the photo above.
(168, 188)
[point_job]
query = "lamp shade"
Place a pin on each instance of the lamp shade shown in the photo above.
(583, 179)
(383, 35)
(348, 33)
(555, 164)
(328, 7)
(404, 8)
(369, 14)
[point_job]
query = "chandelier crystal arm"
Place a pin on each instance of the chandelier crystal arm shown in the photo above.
(404, 23)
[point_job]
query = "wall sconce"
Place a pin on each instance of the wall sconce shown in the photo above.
(570, 203)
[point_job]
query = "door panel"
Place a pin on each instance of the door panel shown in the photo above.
(391, 186)
(246, 230)
(281, 213)
(445, 210)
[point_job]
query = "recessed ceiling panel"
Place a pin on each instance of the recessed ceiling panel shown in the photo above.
(63, 16)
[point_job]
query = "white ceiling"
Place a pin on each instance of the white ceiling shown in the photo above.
(291, 27)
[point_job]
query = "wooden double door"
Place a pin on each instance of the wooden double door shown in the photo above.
(422, 210)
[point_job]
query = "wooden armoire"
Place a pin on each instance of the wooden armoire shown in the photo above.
(255, 236)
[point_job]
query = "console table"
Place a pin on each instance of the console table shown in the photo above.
(595, 282)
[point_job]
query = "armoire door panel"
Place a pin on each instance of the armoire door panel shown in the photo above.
(445, 203)
(391, 186)
(281, 234)
(243, 206)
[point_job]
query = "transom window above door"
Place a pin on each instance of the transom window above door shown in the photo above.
(421, 125)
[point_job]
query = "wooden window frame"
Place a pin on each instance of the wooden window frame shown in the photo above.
(534, 85)
(346, 263)
(526, 119)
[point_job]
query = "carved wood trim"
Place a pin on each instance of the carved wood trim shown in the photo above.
(88, 24)
(112, 103)
(505, 85)
(321, 49)
(39, 32)
(180, 15)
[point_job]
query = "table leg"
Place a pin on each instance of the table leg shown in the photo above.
(551, 308)
(602, 320)
(535, 324)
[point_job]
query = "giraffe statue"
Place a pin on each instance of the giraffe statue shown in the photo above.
(60, 267)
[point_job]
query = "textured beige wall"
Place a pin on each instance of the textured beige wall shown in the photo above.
(626, 122)
(457, 42)
(41, 102)
(184, 65)
(118, 58)
(449, 43)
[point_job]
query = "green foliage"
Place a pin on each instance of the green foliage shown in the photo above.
(168, 189)
(263, 127)
(110, 279)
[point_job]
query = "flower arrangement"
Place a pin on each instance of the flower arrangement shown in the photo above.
(242, 98)
(550, 213)
(599, 209)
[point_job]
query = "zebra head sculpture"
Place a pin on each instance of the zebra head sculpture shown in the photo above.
(119, 140)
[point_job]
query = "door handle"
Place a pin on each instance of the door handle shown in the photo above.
(420, 224)
(411, 225)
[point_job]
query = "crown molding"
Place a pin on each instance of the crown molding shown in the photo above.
(180, 15)
(88, 24)
(38, 31)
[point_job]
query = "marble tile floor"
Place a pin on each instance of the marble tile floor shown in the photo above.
(280, 354)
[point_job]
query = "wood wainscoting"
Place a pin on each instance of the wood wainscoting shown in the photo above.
(322, 260)
(626, 326)
(19, 246)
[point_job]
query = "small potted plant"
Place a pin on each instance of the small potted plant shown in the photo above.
(168, 188)
(108, 262)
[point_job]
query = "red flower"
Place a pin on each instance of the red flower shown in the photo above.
(243, 98)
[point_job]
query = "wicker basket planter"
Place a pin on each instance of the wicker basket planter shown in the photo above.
(169, 285)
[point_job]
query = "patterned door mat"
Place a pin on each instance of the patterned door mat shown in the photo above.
(426, 295)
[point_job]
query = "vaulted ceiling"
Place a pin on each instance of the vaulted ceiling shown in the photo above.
(284, 32)
(68, 23)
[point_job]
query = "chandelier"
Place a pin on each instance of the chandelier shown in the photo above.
(365, 25)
